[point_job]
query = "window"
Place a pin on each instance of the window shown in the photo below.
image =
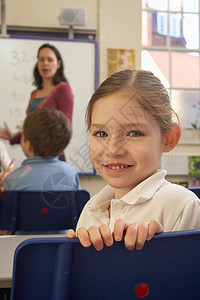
(171, 50)
(161, 23)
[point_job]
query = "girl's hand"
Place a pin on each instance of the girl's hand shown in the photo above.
(134, 234)
(94, 235)
(71, 234)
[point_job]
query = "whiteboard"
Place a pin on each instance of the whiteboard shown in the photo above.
(18, 56)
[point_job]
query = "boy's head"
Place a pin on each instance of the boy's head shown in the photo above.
(46, 132)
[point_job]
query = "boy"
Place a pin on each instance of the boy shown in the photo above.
(46, 133)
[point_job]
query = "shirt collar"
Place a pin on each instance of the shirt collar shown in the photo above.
(141, 193)
(36, 159)
(101, 201)
(146, 189)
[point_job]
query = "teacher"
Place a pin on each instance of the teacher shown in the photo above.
(52, 89)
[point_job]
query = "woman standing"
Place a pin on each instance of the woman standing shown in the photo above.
(52, 89)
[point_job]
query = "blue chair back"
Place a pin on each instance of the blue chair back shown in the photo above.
(41, 211)
(195, 190)
(61, 269)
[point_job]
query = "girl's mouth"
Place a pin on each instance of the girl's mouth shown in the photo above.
(117, 167)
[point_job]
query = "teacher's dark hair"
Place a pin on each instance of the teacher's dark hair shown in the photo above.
(59, 76)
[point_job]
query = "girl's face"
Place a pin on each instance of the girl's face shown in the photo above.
(47, 63)
(126, 143)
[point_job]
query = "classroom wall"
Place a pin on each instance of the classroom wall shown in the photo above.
(46, 13)
(118, 25)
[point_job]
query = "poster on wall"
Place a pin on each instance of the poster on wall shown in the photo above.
(120, 59)
(194, 166)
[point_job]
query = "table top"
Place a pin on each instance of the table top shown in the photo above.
(8, 244)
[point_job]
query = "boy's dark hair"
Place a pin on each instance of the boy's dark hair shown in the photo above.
(59, 76)
(48, 130)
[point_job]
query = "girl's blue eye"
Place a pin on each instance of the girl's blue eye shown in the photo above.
(100, 134)
(135, 133)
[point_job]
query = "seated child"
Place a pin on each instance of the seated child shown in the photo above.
(5, 159)
(46, 132)
(130, 121)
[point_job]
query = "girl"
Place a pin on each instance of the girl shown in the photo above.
(131, 124)
(52, 88)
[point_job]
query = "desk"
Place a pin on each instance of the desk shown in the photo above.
(8, 244)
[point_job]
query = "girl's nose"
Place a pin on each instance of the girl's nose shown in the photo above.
(115, 147)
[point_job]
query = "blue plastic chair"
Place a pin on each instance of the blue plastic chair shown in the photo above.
(167, 268)
(41, 211)
(195, 190)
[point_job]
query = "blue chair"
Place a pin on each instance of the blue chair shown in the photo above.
(167, 268)
(195, 190)
(41, 211)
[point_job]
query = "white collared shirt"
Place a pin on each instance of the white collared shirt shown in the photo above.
(176, 207)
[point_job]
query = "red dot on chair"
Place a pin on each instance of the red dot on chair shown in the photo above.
(142, 290)
(44, 210)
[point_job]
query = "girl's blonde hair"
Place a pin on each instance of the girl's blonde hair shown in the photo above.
(145, 87)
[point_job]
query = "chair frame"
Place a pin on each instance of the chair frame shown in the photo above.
(41, 210)
(195, 190)
(61, 269)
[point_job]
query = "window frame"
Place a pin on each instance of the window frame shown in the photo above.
(171, 49)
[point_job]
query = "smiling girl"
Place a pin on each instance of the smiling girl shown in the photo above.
(130, 121)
